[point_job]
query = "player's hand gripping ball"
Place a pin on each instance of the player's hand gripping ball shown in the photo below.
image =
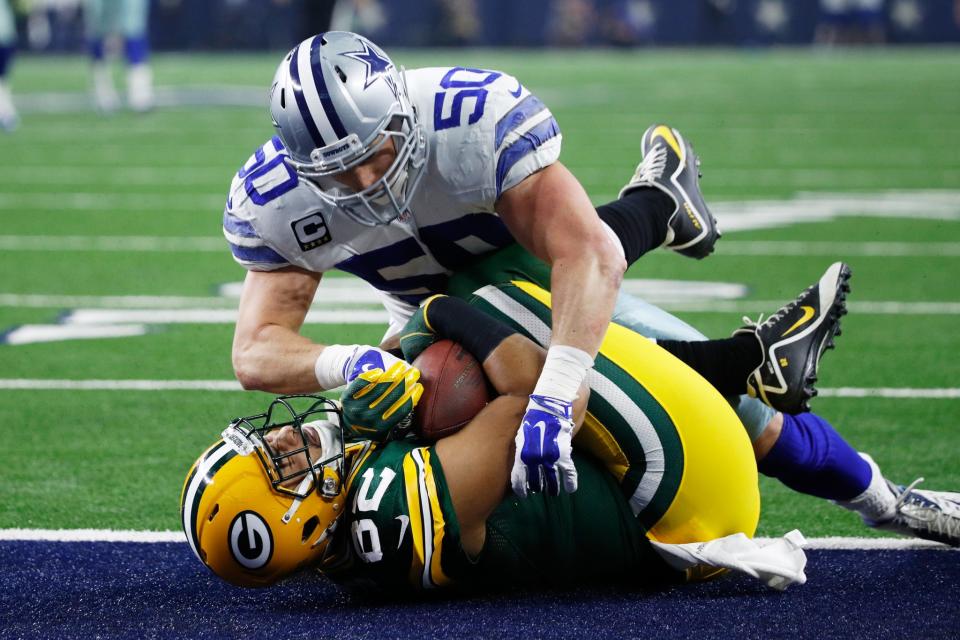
(376, 401)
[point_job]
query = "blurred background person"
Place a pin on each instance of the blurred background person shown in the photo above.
(459, 23)
(126, 19)
(8, 42)
(361, 16)
(627, 23)
(850, 22)
(571, 22)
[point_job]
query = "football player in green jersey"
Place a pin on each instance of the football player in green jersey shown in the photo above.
(281, 493)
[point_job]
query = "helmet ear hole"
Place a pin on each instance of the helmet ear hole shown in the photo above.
(283, 98)
(309, 527)
(340, 74)
(214, 512)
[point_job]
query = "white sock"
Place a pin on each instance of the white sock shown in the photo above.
(877, 503)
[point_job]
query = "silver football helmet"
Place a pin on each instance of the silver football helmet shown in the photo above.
(336, 100)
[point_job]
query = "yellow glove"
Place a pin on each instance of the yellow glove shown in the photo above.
(376, 401)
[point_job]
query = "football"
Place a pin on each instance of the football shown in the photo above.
(454, 390)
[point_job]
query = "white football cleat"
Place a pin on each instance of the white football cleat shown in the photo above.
(8, 113)
(931, 515)
(105, 98)
(140, 87)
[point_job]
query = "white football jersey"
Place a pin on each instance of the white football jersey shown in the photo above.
(485, 133)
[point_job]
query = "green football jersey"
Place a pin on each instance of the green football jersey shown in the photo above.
(401, 530)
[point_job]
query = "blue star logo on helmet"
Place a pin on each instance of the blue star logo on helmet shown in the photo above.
(377, 64)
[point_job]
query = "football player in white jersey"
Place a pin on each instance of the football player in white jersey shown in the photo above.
(128, 19)
(403, 178)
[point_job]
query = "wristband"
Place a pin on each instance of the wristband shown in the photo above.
(563, 372)
(331, 364)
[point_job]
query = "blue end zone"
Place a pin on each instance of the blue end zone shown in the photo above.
(85, 590)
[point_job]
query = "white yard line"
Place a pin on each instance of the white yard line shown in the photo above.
(216, 244)
(337, 299)
(114, 535)
(131, 244)
(214, 316)
(890, 392)
(47, 301)
(207, 95)
(143, 176)
(44, 384)
(862, 307)
(840, 249)
(119, 385)
(126, 203)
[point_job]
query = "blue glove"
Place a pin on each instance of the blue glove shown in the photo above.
(544, 448)
(366, 359)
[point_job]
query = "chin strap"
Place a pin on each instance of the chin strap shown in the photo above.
(303, 488)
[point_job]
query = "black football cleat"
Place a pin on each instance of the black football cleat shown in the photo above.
(794, 338)
(669, 164)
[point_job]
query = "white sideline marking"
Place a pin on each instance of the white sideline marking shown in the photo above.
(870, 544)
(91, 535)
(113, 535)
(43, 384)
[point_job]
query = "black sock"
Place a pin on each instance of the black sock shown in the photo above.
(724, 363)
(639, 219)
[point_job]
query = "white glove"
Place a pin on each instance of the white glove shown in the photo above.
(544, 448)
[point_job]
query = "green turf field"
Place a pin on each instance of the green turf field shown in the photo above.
(768, 125)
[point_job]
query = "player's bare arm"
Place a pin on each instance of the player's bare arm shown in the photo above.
(269, 354)
(550, 214)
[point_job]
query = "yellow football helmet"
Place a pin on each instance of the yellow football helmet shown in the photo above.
(239, 511)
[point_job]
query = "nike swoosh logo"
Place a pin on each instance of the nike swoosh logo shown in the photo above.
(807, 314)
(542, 428)
(404, 521)
(516, 94)
(667, 135)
